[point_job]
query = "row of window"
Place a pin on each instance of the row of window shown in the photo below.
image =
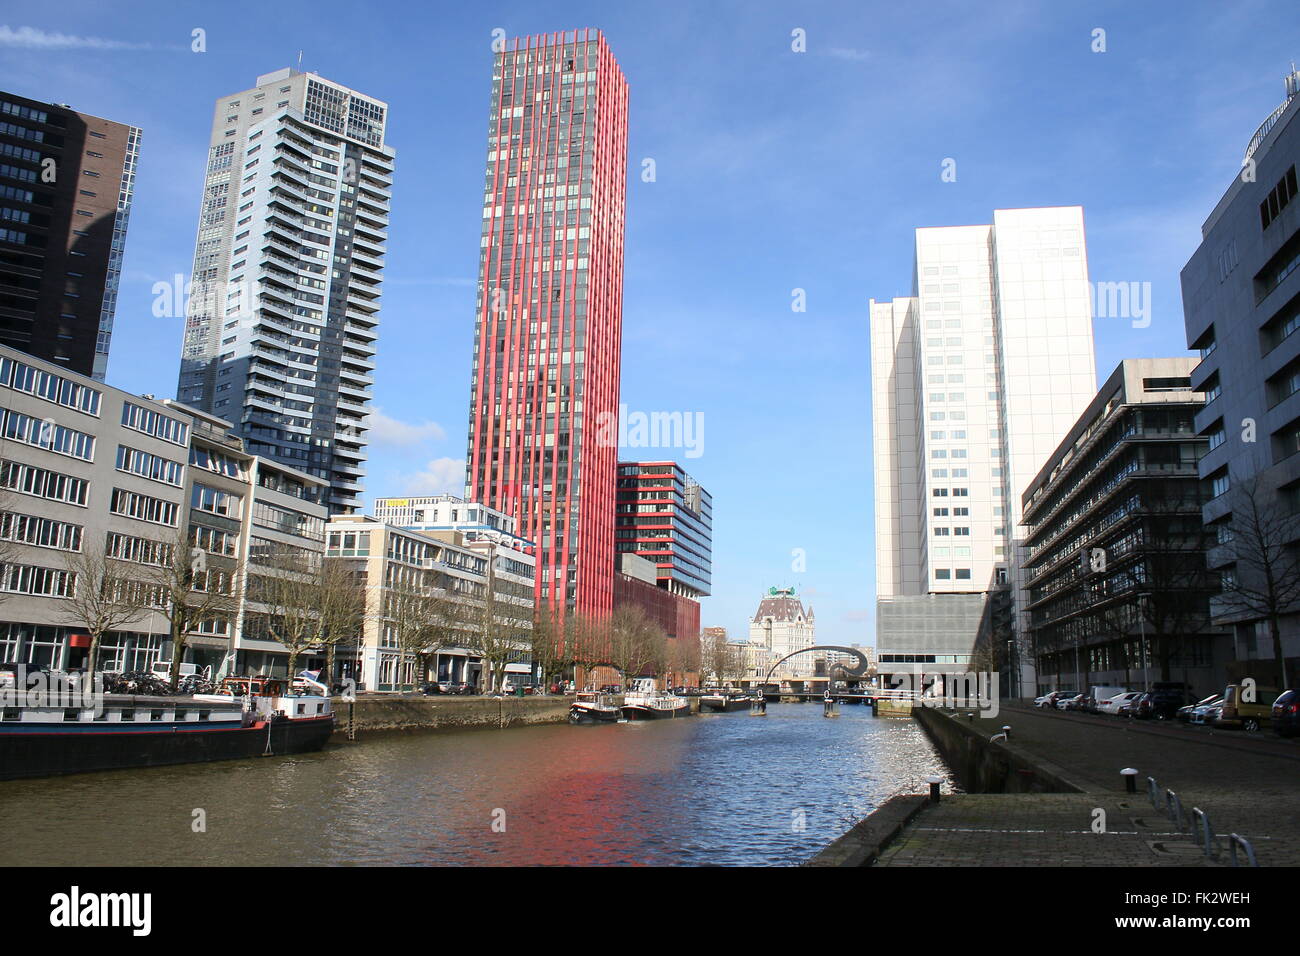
(126, 547)
(154, 424)
(47, 434)
(131, 504)
(41, 532)
(53, 388)
(150, 466)
(32, 579)
(42, 483)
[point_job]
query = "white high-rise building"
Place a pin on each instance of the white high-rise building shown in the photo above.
(282, 316)
(976, 377)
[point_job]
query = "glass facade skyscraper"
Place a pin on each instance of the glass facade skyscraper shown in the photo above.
(548, 325)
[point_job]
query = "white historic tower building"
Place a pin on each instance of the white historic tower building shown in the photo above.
(781, 626)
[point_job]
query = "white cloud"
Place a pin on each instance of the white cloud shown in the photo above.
(390, 431)
(441, 476)
(30, 38)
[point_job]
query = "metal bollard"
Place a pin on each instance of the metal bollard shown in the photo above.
(1130, 779)
(1233, 840)
(1153, 789)
(1174, 807)
(934, 783)
(1205, 833)
(1007, 730)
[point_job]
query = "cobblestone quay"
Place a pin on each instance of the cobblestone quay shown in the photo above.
(1246, 783)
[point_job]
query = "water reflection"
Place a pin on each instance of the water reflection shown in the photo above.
(724, 789)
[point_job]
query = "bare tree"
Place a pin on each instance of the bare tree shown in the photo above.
(1265, 581)
(105, 596)
(589, 640)
(501, 635)
(191, 591)
(550, 642)
(341, 602)
(286, 583)
(714, 662)
(421, 618)
(635, 642)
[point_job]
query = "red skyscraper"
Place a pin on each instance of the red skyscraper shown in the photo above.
(548, 327)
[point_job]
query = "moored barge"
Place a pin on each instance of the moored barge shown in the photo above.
(48, 734)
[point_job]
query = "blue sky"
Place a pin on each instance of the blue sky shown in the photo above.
(775, 170)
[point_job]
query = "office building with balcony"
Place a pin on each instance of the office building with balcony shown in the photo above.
(1118, 589)
(1241, 305)
(438, 563)
(549, 312)
(86, 467)
(975, 378)
(66, 185)
(283, 309)
(664, 515)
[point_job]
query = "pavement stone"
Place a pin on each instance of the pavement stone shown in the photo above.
(1247, 783)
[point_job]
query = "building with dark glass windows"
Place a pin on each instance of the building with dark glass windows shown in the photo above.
(66, 181)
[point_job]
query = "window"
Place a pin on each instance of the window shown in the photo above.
(53, 388)
(152, 423)
(42, 582)
(1219, 483)
(47, 434)
(143, 507)
(1277, 199)
(127, 547)
(41, 483)
(942, 574)
(215, 501)
(40, 532)
(149, 466)
(963, 574)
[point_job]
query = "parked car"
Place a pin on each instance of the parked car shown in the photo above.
(1072, 703)
(1207, 713)
(1099, 694)
(1131, 706)
(1185, 712)
(1166, 697)
(1048, 701)
(1246, 714)
(430, 689)
(1142, 708)
(1286, 720)
(1112, 705)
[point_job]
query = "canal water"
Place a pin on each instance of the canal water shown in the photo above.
(724, 789)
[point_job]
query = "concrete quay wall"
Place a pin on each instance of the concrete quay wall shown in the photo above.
(370, 714)
(983, 765)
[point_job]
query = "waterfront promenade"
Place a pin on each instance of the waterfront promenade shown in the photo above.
(1247, 783)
